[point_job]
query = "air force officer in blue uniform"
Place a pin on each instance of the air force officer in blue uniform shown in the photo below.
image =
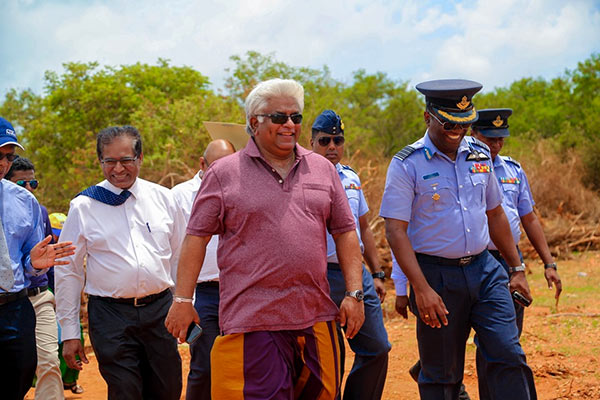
(442, 204)
(492, 128)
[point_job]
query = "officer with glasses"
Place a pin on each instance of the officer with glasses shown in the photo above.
(371, 346)
(48, 383)
(442, 204)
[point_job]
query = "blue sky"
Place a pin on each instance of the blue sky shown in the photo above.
(494, 42)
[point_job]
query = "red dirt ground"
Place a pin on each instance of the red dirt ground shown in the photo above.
(562, 344)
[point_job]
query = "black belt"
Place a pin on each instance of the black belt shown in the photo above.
(335, 266)
(6, 298)
(135, 301)
(454, 262)
(36, 290)
(208, 284)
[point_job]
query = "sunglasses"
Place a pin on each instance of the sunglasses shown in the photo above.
(325, 140)
(449, 126)
(282, 118)
(33, 183)
(9, 156)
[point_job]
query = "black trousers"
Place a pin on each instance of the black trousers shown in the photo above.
(17, 348)
(137, 356)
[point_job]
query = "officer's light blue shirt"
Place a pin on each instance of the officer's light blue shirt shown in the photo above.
(358, 205)
(518, 200)
(23, 229)
(444, 201)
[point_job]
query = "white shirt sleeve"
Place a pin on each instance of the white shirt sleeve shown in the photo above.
(69, 279)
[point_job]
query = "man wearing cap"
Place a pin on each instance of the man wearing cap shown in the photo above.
(442, 204)
(130, 230)
(24, 253)
(48, 384)
(371, 346)
(492, 129)
(207, 287)
(271, 205)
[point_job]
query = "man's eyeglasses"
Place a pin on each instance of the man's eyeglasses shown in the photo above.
(325, 140)
(283, 118)
(33, 183)
(125, 161)
(449, 126)
(9, 156)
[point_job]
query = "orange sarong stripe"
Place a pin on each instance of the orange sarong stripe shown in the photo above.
(227, 367)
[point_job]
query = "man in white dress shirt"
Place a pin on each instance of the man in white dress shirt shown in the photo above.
(130, 230)
(207, 289)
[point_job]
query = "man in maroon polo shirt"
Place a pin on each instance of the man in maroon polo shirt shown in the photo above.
(272, 203)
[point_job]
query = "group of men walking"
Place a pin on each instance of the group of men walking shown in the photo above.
(264, 250)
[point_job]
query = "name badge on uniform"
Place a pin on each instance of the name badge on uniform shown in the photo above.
(513, 181)
(432, 175)
(352, 186)
(478, 168)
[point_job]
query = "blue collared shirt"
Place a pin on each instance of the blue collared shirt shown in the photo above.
(444, 201)
(358, 206)
(23, 229)
(518, 200)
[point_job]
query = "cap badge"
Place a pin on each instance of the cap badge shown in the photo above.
(10, 132)
(342, 124)
(435, 197)
(464, 103)
(498, 122)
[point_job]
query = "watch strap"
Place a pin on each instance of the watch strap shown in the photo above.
(379, 275)
(519, 268)
(551, 265)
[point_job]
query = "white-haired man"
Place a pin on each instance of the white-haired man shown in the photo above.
(272, 203)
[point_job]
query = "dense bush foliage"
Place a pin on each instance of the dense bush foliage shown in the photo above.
(168, 105)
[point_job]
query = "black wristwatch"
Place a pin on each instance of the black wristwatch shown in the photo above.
(551, 265)
(379, 275)
(357, 294)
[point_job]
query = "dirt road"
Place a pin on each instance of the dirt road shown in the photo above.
(562, 345)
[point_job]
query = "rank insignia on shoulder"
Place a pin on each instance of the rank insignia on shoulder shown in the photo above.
(477, 156)
(432, 175)
(405, 152)
(352, 186)
(478, 168)
(513, 181)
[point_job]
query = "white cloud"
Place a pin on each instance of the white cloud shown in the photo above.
(494, 42)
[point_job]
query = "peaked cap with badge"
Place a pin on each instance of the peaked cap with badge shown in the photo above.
(329, 122)
(493, 122)
(451, 99)
(7, 134)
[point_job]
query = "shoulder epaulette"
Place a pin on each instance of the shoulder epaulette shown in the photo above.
(511, 160)
(479, 143)
(405, 152)
(348, 168)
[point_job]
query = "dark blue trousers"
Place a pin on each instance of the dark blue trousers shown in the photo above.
(17, 348)
(477, 297)
(371, 346)
(207, 306)
(484, 393)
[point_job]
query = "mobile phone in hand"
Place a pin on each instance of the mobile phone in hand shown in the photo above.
(193, 333)
(519, 298)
